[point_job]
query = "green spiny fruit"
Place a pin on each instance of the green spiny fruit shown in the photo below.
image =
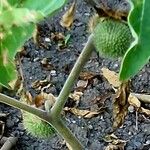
(112, 38)
(37, 127)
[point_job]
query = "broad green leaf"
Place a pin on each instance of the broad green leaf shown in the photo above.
(139, 52)
(19, 17)
(8, 73)
(15, 2)
(17, 24)
(15, 38)
(9, 46)
(47, 7)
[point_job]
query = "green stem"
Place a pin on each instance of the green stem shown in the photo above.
(68, 136)
(83, 58)
(57, 123)
(17, 104)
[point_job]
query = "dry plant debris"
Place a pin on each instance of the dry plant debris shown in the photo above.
(8, 143)
(114, 143)
(111, 76)
(134, 99)
(82, 113)
(68, 17)
(120, 105)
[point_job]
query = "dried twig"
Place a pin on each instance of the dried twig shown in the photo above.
(9, 143)
(142, 97)
(2, 127)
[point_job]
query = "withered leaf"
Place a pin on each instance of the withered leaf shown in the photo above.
(134, 101)
(114, 143)
(26, 97)
(40, 99)
(46, 64)
(111, 76)
(57, 36)
(115, 147)
(82, 113)
(87, 75)
(120, 105)
(82, 84)
(39, 84)
(145, 111)
(76, 95)
(68, 17)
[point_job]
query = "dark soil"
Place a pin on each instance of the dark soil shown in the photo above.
(90, 132)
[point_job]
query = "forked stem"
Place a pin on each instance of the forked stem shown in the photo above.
(54, 116)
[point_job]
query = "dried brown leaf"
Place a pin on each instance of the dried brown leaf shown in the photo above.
(46, 64)
(82, 84)
(26, 97)
(114, 143)
(76, 95)
(145, 111)
(75, 98)
(68, 17)
(111, 76)
(82, 113)
(49, 96)
(115, 147)
(87, 75)
(120, 105)
(39, 84)
(57, 36)
(134, 101)
(39, 100)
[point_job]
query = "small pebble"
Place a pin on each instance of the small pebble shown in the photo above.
(74, 121)
(53, 72)
(131, 109)
(148, 142)
(47, 40)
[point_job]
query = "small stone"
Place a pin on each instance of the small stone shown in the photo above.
(148, 142)
(131, 109)
(90, 127)
(82, 83)
(47, 39)
(53, 72)
(74, 121)
(36, 59)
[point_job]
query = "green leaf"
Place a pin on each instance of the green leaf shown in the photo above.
(8, 74)
(47, 7)
(15, 2)
(17, 24)
(18, 17)
(139, 52)
(9, 46)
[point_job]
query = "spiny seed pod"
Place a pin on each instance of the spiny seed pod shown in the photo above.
(36, 127)
(112, 38)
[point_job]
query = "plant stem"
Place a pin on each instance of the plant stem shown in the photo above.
(55, 122)
(68, 136)
(17, 104)
(83, 58)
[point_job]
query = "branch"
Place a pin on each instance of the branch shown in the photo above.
(65, 132)
(142, 97)
(83, 58)
(17, 104)
(10, 142)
